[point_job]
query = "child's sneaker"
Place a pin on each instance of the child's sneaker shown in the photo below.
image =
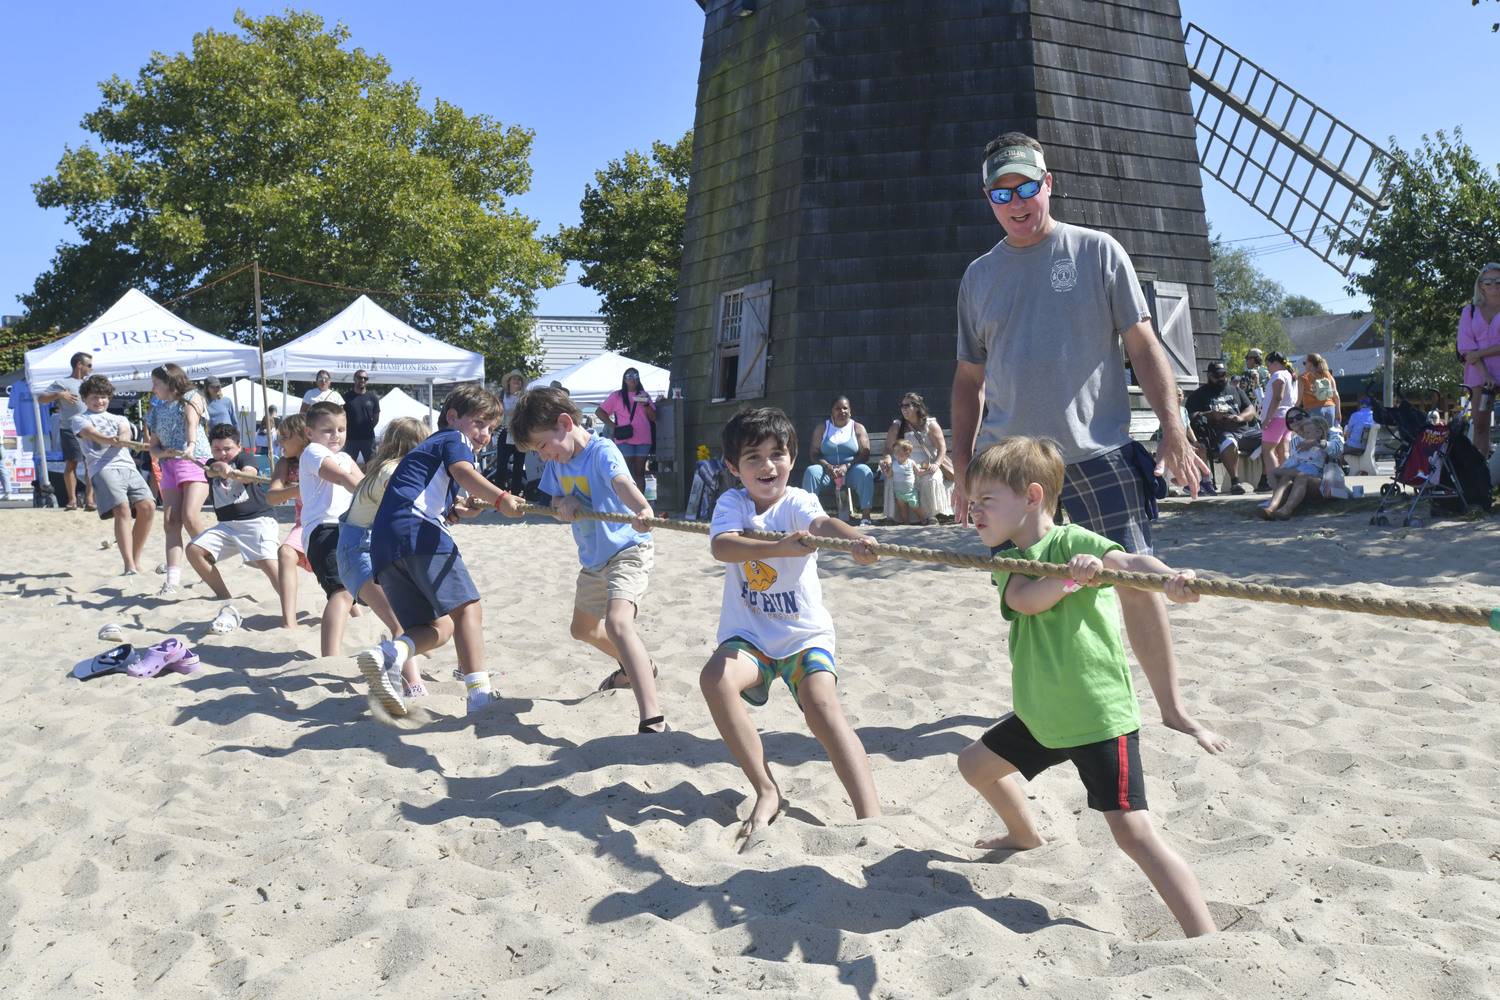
(381, 666)
(479, 692)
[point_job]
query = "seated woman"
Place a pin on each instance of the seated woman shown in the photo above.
(839, 453)
(929, 451)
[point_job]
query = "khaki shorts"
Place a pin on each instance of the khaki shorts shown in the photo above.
(623, 578)
(255, 539)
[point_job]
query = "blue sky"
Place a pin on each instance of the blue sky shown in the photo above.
(595, 79)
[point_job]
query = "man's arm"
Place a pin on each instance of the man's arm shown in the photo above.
(966, 405)
(1154, 374)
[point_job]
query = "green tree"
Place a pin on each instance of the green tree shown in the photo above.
(279, 143)
(629, 242)
(1441, 225)
(1250, 305)
(1301, 305)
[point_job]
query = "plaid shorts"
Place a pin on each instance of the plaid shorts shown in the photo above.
(1106, 496)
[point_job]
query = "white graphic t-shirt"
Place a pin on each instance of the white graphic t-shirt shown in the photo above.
(776, 604)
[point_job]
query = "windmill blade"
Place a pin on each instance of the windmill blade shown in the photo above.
(1296, 164)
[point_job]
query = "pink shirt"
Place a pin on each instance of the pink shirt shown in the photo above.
(616, 407)
(1475, 335)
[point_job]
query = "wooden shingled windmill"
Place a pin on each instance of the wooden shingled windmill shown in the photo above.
(834, 200)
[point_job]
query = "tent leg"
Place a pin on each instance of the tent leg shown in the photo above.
(431, 410)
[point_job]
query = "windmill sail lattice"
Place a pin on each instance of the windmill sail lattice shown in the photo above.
(1296, 164)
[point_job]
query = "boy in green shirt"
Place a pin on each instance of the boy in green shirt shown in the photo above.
(1074, 699)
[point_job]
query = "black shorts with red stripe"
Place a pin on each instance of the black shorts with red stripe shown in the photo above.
(1110, 769)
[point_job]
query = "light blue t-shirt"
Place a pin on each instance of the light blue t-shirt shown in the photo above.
(590, 477)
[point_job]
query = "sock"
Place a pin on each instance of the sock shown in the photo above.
(1234, 479)
(174, 575)
(478, 687)
(403, 643)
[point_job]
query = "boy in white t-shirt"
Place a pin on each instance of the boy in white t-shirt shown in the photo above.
(773, 622)
(328, 481)
(118, 486)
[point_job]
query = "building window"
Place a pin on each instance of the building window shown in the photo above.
(731, 314)
(741, 342)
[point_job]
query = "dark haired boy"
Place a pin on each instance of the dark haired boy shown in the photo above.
(772, 621)
(117, 483)
(245, 522)
(327, 479)
(416, 560)
(584, 472)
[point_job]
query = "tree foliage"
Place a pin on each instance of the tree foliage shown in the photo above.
(1426, 249)
(279, 143)
(629, 242)
(1301, 305)
(1250, 305)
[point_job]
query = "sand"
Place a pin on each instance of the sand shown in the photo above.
(251, 831)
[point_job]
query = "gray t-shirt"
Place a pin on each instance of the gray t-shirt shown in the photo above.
(67, 411)
(1045, 322)
(97, 457)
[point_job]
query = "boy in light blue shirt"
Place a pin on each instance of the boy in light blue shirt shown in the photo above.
(584, 472)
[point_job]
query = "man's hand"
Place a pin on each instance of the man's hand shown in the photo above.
(1173, 452)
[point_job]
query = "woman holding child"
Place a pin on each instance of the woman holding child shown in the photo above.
(177, 434)
(929, 452)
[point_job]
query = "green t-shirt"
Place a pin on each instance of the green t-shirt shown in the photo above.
(1068, 670)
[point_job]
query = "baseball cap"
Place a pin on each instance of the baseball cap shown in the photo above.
(1023, 160)
(1277, 357)
(1217, 368)
(213, 380)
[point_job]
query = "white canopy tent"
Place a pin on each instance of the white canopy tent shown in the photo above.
(246, 396)
(134, 336)
(396, 403)
(591, 381)
(366, 337)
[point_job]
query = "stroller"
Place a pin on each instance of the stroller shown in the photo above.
(1440, 465)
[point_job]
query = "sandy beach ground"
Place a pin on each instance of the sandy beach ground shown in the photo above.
(251, 831)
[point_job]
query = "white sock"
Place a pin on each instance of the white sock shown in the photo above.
(478, 687)
(402, 642)
(174, 575)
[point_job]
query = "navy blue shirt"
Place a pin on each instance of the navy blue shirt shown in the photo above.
(412, 515)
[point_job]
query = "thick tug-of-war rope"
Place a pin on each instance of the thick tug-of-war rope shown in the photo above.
(1452, 614)
(143, 446)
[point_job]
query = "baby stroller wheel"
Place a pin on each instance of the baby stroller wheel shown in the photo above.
(1383, 521)
(1374, 519)
(1412, 522)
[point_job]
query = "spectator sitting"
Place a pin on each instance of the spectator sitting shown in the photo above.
(929, 451)
(1222, 416)
(840, 454)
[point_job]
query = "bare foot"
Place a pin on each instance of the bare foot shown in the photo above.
(767, 808)
(1009, 842)
(1265, 512)
(1282, 515)
(1207, 738)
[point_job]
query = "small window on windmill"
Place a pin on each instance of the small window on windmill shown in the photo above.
(742, 341)
(1171, 314)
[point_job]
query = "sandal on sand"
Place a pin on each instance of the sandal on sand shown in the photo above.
(112, 633)
(620, 680)
(119, 658)
(227, 621)
(159, 657)
(646, 725)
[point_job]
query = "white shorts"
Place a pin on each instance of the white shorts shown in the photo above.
(255, 538)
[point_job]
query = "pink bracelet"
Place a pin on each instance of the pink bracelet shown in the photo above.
(1071, 585)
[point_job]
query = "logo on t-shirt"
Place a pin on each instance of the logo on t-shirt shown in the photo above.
(1064, 275)
(759, 575)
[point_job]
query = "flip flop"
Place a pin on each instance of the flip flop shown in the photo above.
(159, 657)
(107, 662)
(227, 621)
(111, 633)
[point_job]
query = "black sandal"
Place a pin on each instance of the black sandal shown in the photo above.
(646, 724)
(614, 681)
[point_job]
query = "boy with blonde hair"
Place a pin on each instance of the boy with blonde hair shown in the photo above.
(1074, 699)
(328, 481)
(415, 559)
(113, 478)
(772, 622)
(584, 472)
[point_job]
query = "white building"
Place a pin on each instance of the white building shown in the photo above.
(567, 340)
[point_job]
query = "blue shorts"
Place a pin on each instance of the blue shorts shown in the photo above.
(1110, 769)
(630, 449)
(423, 588)
(792, 669)
(354, 557)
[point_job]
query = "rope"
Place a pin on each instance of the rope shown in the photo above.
(1452, 614)
(143, 446)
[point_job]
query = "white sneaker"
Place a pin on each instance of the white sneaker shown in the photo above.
(167, 590)
(381, 666)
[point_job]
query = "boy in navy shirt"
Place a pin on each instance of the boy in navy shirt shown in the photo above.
(415, 559)
(584, 472)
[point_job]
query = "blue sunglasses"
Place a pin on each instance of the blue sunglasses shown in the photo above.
(1002, 196)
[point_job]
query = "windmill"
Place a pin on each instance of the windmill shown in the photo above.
(834, 201)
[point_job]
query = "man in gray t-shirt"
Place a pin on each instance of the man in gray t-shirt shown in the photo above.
(65, 393)
(1042, 320)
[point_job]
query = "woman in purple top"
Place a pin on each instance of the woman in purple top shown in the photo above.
(1479, 344)
(630, 412)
